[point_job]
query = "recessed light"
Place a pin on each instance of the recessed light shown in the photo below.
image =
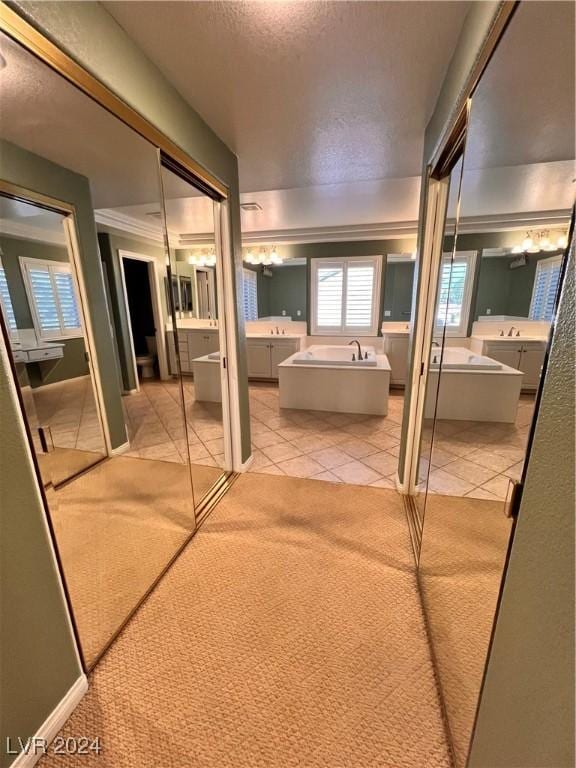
(250, 207)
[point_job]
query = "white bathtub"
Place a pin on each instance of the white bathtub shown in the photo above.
(462, 359)
(471, 387)
(336, 356)
(324, 378)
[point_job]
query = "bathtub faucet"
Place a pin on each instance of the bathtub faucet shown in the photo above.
(512, 328)
(359, 348)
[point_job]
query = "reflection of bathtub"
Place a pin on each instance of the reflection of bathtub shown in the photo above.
(326, 379)
(472, 387)
(335, 355)
(462, 359)
(207, 378)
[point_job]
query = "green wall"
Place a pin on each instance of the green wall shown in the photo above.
(38, 661)
(74, 362)
(398, 285)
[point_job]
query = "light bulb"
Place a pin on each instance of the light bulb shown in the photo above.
(191, 259)
(562, 242)
(517, 249)
(527, 243)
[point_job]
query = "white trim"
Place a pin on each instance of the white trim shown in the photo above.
(13, 395)
(227, 335)
(54, 723)
(78, 277)
(155, 280)
(345, 261)
(15, 229)
(245, 466)
(428, 265)
(120, 448)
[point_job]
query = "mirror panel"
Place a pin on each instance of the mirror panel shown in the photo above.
(120, 521)
(517, 194)
(195, 336)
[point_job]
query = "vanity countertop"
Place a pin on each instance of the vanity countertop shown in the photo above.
(275, 335)
(507, 338)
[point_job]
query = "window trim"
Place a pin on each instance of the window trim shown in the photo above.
(27, 263)
(460, 331)
(540, 264)
(342, 329)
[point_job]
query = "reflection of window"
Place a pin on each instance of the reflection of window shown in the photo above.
(53, 303)
(346, 295)
(455, 292)
(6, 302)
(545, 288)
(250, 295)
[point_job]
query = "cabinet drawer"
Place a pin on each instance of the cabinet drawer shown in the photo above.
(19, 356)
(44, 354)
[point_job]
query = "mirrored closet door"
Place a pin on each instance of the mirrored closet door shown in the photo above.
(196, 331)
(497, 298)
(91, 308)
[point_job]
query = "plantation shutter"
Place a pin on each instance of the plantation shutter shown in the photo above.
(250, 295)
(329, 293)
(451, 293)
(53, 299)
(545, 289)
(359, 296)
(6, 301)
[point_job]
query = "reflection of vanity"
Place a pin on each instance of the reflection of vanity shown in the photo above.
(196, 338)
(396, 339)
(27, 349)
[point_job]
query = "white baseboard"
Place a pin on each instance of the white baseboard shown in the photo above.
(246, 465)
(52, 725)
(120, 449)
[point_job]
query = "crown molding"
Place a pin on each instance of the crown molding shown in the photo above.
(13, 228)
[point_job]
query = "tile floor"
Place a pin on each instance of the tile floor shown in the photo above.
(474, 459)
(336, 447)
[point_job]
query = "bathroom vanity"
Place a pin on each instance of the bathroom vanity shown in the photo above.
(193, 342)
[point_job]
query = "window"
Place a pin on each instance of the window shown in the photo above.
(346, 295)
(250, 295)
(6, 303)
(455, 292)
(545, 288)
(52, 297)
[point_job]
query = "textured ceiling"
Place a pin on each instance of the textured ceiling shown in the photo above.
(305, 93)
(523, 109)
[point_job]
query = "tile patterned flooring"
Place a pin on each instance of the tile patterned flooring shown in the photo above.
(474, 459)
(336, 447)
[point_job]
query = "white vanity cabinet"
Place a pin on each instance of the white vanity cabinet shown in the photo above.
(525, 356)
(396, 350)
(192, 343)
(264, 355)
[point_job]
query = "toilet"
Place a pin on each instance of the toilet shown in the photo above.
(146, 363)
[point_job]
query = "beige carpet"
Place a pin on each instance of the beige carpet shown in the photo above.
(462, 558)
(117, 526)
(288, 634)
(61, 464)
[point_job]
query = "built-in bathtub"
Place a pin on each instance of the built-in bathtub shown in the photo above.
(462, 359)
(326, 378)
(336, 355)
(472, 387)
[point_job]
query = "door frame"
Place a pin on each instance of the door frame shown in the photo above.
(154, 280)
(68, 213)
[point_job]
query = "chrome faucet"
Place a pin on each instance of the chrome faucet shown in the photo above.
(355, 341)
(512, 328)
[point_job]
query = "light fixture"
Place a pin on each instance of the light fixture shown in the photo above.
(264, 257)
(545, 242)
(517, 249)
(562, 242)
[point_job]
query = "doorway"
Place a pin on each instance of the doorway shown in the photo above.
(141, 285)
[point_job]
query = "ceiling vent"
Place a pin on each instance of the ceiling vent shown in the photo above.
(250, 207)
